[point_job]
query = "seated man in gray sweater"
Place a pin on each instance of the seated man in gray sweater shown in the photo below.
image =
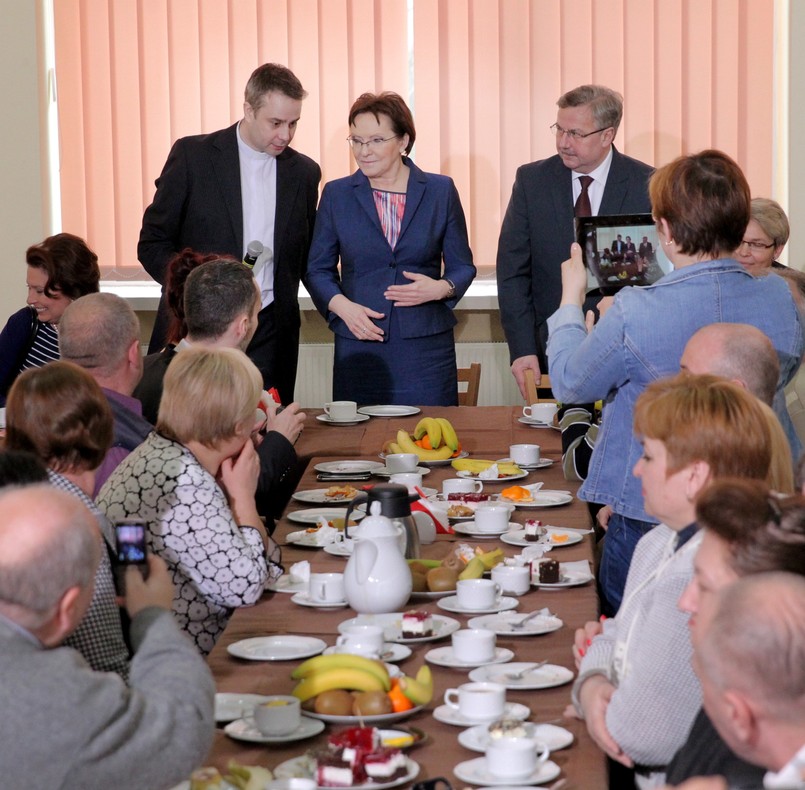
(64, 725)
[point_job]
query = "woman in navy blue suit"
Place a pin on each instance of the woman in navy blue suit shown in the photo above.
(401, 237)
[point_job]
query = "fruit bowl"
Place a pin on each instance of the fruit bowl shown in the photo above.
(383, 718)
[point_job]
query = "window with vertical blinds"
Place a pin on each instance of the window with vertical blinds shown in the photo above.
(482, 77)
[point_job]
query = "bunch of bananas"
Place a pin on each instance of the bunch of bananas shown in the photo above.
(476, 466)
(349, 672)
(434, 439)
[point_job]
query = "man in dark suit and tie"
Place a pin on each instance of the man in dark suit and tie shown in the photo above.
(218, 192)
(538, 228)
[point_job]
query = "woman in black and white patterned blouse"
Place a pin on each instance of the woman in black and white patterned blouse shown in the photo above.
(193, 480)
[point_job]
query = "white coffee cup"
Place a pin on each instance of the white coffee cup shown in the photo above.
(278, 714)
(477, 594)
(396, 463)
(341, 410)
(326, 588)
(524, 454)
(477, 701)
(491, 517)
(411, 480)
(513, 579)
(474, 645)
(460, 485)
(361, 640)
(514, 758)
(541, 412)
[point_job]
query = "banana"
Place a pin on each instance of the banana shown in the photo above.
(407, 446)
(426, 563)
(491, 558)
(394, 447)
(476, 465)
(474, 570)
(345, 661)
(449, 436)
(430, 426)
(420, 689)
(341, 678)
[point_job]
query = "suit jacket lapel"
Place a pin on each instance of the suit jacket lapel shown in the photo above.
(561, 187)
(226, 163)
(413, 197)
(363, 194)
(287, 187)
(616, 188)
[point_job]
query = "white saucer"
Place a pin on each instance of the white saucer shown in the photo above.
(384, 471)
(541, 464)
(450, 604)
(389, 410)
(546, 677)
(276, 648)
(245, 730)
(392, 651)
(303, 599)
(229, 707)
(444, 657)
(474, 772)
(448, 715)
(501, 624)
(555, 738)
(286, 585)
(351, 421)
(536, 423)
(468, 528)
(341, 549)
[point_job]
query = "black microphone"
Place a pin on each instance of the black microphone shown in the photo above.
(253, 252)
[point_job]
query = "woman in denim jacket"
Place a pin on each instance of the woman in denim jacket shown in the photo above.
(701, 205)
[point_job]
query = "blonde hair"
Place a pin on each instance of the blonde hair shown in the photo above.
(781, 470)
(770, 216)
(208, 394)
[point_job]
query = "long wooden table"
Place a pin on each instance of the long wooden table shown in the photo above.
(485, 432)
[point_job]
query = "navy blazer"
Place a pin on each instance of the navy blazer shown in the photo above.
(348, 227)
(536, 235)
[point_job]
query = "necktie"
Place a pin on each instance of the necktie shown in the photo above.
(583, 208)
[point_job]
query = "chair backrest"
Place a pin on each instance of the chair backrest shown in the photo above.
(541, 394)
(472, 377)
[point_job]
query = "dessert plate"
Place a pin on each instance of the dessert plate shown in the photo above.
(347, 467)
(384, 471)
(312, 515)
(245, 730)
(451, 605)
(341, 549)
(571, 574)
(440, 462)
(276, 648)
(391, 651)
(389, 411)
(555, 738)
(303, 599)
(392, 626)
(229, 707)
(555, 537)
(474, 772)
(503, 624)
(537, 423)
(326, 418)
(304, 767)
(285, 584)
(469, 528)
(541, 464)
(492, 480)
(448, 715)
(381, 718)
(546, 677)
(430, 596)
(444, 657)
(316, 496)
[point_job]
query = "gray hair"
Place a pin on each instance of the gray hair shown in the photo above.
(272, 77)
(606, 105)
(96, 332)
(755, 643)
(215, 294)
(34, 577)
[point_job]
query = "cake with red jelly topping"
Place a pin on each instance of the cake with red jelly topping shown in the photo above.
(534, 529)
(355, 757)
(417, 625)
(467, 496)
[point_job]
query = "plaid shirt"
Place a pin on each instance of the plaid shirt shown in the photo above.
(99, 636)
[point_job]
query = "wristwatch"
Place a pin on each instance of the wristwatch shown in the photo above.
(452, 292)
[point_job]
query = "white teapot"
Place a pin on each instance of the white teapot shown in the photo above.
(377, 579)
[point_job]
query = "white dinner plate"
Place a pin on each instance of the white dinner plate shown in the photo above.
(492, 481)
(566, 537)
(548, 498)
(229, 707)
(284, 647)
(543, 463)
(546, 677)
(347, 467)
(341, 549)
(392, 626)
(474, 772)
(445, 657)
(328, 420)
(469, 528)
(448, 715)
(311, 515)
(533, 489)
(286, 585)
(451, 605)
(384, 471)
(246, 730)
(303, 599)
(381, 718)
(389, 411)
(501, 624)
(304, 767)
(317, 496)
(555, 738)
(392, 651)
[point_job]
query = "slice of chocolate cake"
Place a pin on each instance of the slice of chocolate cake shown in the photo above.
(548, 572)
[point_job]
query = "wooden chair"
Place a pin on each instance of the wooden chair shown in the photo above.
(541, 394)
(470, 376)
